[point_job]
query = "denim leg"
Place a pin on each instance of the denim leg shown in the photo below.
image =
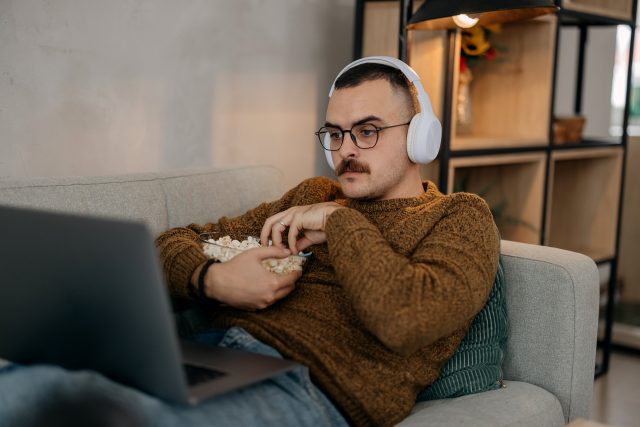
(212, 337)
(31, 395)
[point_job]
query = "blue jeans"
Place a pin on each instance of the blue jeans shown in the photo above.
(49, 395)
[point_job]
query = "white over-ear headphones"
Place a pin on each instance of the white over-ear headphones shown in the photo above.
(425, 131)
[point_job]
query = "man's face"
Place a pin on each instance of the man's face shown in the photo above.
(381, 172)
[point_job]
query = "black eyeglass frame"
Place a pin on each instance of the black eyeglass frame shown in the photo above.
(353, 137)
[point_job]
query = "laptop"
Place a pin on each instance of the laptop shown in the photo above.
(87, 293)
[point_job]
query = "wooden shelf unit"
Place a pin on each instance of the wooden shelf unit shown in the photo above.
(582, 208)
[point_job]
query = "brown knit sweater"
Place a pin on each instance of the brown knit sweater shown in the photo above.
(380, 306)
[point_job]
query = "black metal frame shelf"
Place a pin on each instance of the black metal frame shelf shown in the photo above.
(570, 17)
(605, 260)
(584, 21)
(496, 151)
(587, 144)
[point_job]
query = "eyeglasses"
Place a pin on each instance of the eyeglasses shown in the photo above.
(363, 136)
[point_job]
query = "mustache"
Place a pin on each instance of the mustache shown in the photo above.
(351, 165)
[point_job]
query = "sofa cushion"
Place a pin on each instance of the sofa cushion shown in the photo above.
(477, 364)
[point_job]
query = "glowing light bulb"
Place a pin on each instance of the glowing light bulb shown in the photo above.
(466, 21)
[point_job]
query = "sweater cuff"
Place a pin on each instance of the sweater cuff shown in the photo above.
(185, 263)
(342, 223)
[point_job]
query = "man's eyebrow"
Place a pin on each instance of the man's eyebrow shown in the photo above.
(359, 122)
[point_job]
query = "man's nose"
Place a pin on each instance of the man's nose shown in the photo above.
(348, 148)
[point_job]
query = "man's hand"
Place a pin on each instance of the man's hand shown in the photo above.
(306, 226)
(244, 283)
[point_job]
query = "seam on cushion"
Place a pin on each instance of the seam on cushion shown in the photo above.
(573, 289)
(213, 172)
(166, 205)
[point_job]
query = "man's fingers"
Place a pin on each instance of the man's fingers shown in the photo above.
(266, 252)
(264, 233)
(267, 230)
(284, 284)
(267, 227)
(283, 292)
(310, 238)
(303, 243)
(274, 227)
(288, 279)
(294, 231)
(276, 234)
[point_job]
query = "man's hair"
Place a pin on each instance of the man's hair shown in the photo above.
(373, 71)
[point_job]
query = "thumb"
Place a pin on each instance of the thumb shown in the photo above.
(311, 238)
(266, 252)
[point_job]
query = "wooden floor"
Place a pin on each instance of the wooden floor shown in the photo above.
(616, 395)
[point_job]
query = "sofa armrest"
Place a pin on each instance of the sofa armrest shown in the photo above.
(518, 404)
(552, 303)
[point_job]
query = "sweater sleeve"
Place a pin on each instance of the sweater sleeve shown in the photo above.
(181, 252)
(409, 302)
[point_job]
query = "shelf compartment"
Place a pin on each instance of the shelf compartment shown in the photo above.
(584, 190)
(511, 96)
(620, 9)
(511, 184)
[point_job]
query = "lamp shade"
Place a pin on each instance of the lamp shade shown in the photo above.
(438, 14)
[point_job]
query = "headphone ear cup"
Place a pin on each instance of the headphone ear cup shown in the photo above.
(413, 136)
(327, 153)
(432, 138)
(423, 138)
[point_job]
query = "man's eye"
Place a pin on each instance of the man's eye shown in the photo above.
(367, 133)
(335, 134)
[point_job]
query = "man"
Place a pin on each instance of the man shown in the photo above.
(398, 270)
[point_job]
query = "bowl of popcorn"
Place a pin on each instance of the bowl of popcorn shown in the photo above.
(223, 247)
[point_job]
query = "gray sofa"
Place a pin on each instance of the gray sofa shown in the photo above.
(552, 294)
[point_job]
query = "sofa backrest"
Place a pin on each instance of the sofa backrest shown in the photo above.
(161, 200)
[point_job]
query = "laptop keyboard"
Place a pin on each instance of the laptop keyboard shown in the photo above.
(197, 375)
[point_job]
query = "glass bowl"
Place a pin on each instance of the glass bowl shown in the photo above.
(223, 247)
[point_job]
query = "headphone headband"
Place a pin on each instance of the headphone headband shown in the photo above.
(409, 73)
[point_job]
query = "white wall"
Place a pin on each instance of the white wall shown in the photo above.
(101, 87)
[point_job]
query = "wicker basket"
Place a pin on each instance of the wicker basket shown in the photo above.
(568, 129)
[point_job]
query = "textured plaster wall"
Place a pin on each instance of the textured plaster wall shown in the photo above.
(101, 87)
